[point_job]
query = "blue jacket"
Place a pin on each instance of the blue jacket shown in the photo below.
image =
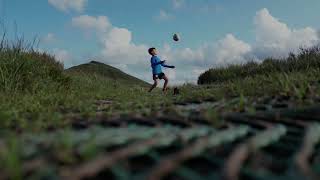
(156, 64)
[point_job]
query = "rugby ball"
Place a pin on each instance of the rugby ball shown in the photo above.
(176, 37)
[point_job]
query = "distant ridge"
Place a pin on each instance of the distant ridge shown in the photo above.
(107, 71)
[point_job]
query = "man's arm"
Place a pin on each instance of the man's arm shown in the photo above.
(167, 66)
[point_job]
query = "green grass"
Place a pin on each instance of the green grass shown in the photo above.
(24, 69)
(307, 59)
(37, 94)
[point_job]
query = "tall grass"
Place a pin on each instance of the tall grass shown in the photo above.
(305, 60)
(36, 92)
(24, 69)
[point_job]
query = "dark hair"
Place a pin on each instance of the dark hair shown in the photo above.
(150, 50)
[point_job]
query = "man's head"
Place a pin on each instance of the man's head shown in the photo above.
(153, 51)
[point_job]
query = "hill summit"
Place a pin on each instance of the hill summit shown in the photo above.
(107, 71)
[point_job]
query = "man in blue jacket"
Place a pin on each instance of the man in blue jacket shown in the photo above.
(156, 64)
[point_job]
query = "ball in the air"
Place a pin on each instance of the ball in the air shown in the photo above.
(176, 37)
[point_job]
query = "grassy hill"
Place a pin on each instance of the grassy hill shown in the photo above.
(106, 71)
(306, 61)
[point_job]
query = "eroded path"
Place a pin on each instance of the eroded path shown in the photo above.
(271, 140)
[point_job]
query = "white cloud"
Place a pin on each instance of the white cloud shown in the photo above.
(273, 39)
(230, 50)
(170, 73)
(63, 56)
(87, 23)
(191, 63)
(119, 48)
(49, 38)
(164, 15)
(116, 43)
(66, 5)
(186, 55)
(178, 3)
(225, 51)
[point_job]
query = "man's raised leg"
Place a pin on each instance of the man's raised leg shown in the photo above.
(166, 81)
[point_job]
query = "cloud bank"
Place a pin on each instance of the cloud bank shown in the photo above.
(273, 39)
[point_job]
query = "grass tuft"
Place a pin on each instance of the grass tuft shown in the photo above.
(24, 69)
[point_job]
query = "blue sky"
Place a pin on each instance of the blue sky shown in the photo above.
(214, 32)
